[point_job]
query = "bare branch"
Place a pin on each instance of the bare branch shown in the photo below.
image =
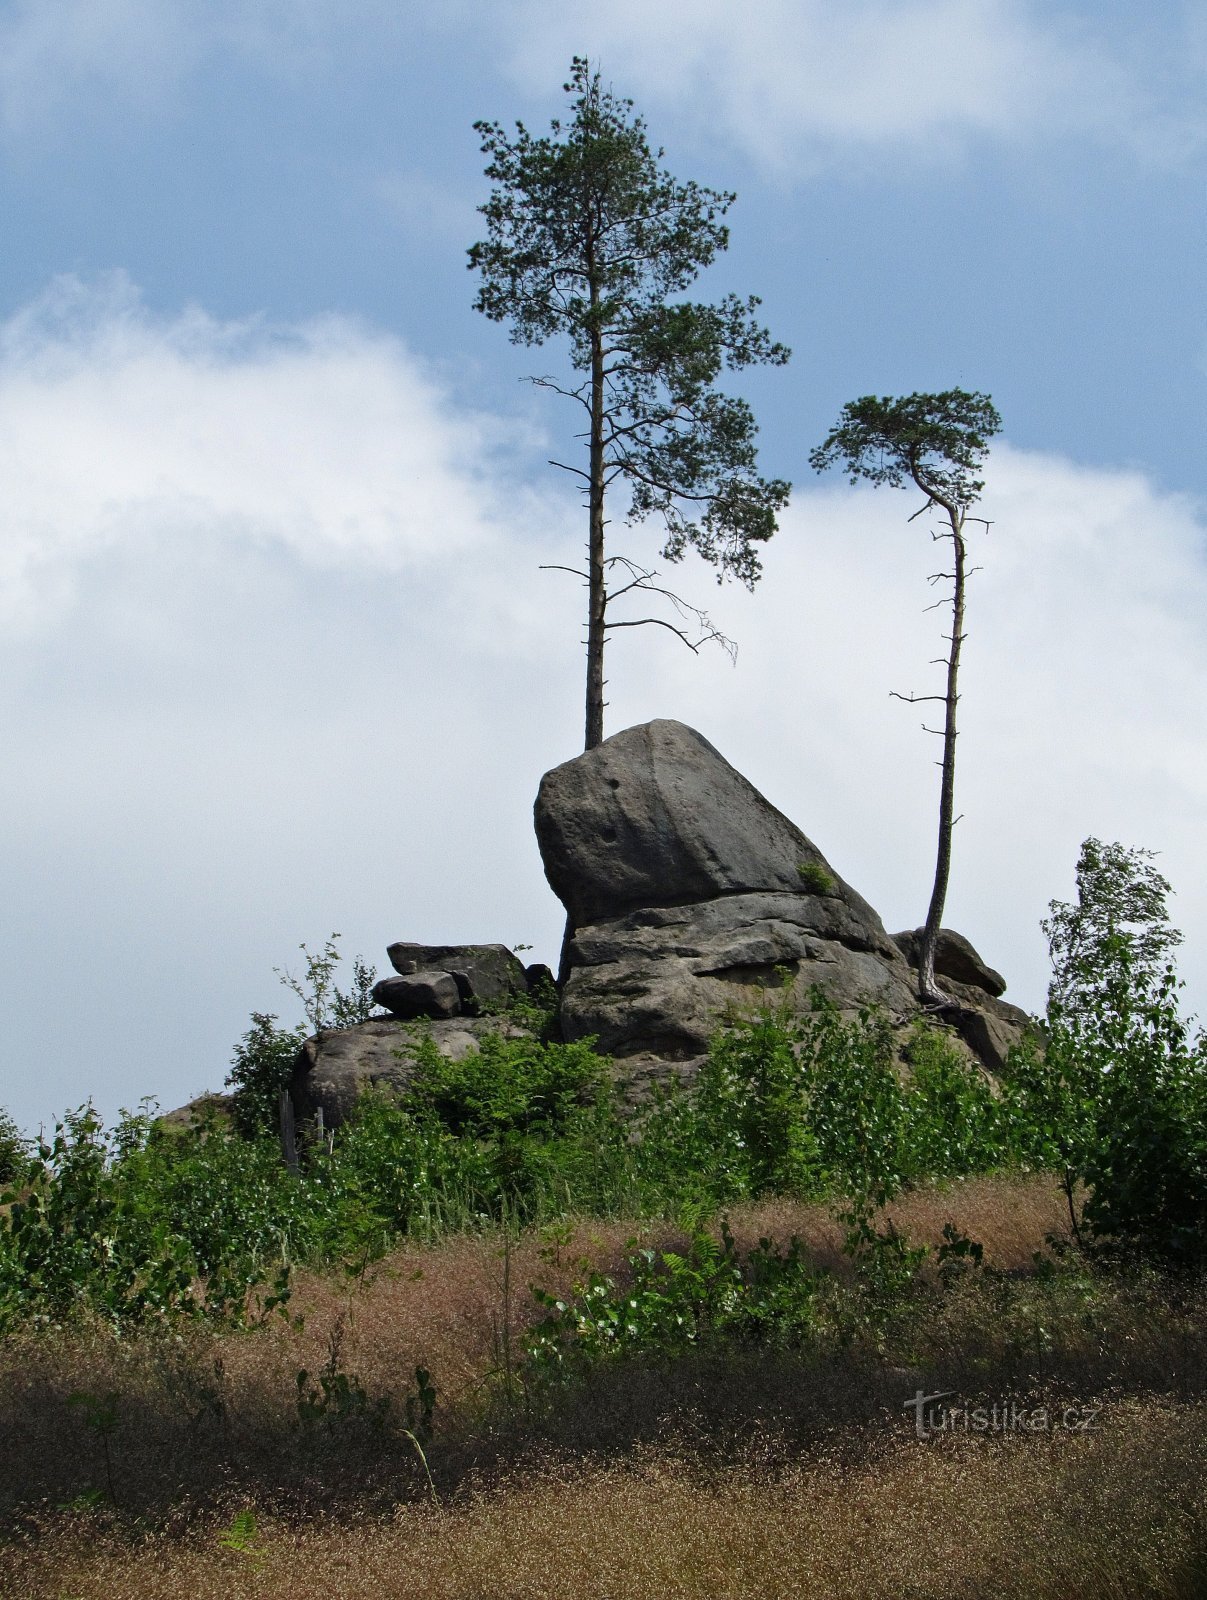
(715, 636)
(915, 699)
(552, 566)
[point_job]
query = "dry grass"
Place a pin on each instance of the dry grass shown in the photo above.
(1118, 1513)
(756, 1474)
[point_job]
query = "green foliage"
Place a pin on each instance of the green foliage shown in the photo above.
(326, 1005)
(815, 878)
(242, 1536)
(264, 1058)
(813, 1104)
(886, 1261)
(506, 1087)
(1117, 1102)
(262, 1065)
(588, 239)
(675, 1301)
(1120, 913)
(935, 441)
(145, 1222)
(954, 1122)
(14, 1149)
(535, 1009)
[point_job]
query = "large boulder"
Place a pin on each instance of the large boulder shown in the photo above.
(419, 994)
(688, 894)
(659, 981)
(655, 816)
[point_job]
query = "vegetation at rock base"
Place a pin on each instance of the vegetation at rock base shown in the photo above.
(814, 1283)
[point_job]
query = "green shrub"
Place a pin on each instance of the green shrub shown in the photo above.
(672, 1302)
(14, 1149)
(262, 1066)
(264, 1058)
(953, 1123)
(1117, 1102)
(813, 1104)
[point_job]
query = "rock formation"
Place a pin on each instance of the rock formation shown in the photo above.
(453, 990)
(687, 891)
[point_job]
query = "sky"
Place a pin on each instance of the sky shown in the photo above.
(277, 658)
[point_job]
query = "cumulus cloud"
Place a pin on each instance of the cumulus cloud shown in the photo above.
(800, 83)
(276, 658)
(1083, 674)
(325, 439)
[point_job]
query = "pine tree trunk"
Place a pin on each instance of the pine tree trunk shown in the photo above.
(597, 594)
(928, 989)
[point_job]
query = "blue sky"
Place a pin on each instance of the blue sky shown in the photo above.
(277, 659)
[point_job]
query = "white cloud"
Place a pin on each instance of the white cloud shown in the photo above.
(325, 439)
(802, 83)
(276, 659)
(797, 83)
(1083, 682)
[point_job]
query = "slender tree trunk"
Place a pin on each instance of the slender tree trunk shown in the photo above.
(596, 592)
(928, 990)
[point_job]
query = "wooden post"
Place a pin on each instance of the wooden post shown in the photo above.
(289, 1138)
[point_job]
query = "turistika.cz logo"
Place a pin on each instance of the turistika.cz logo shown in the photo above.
(932, 1414)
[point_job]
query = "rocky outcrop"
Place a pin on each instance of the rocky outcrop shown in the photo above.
(689, 892)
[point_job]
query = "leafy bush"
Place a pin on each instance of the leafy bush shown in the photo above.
(815, 1104)
(262, 1066)
(125, 1225)
(14, 1148)
(675, 1301)
(1118, 1101)
(265, 1056)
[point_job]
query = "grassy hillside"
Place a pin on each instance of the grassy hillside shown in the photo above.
(196, 1462)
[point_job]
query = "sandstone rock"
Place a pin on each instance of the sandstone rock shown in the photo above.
(687, 897)
(335, 1066)
(539, 976)
(955, 958)
(658, 981)
(420, 994)
(654, 816)
(484, 973)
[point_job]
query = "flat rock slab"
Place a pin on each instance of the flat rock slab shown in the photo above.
(660, 982)
(419, 994)
(484, 973)
(335, 1066)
